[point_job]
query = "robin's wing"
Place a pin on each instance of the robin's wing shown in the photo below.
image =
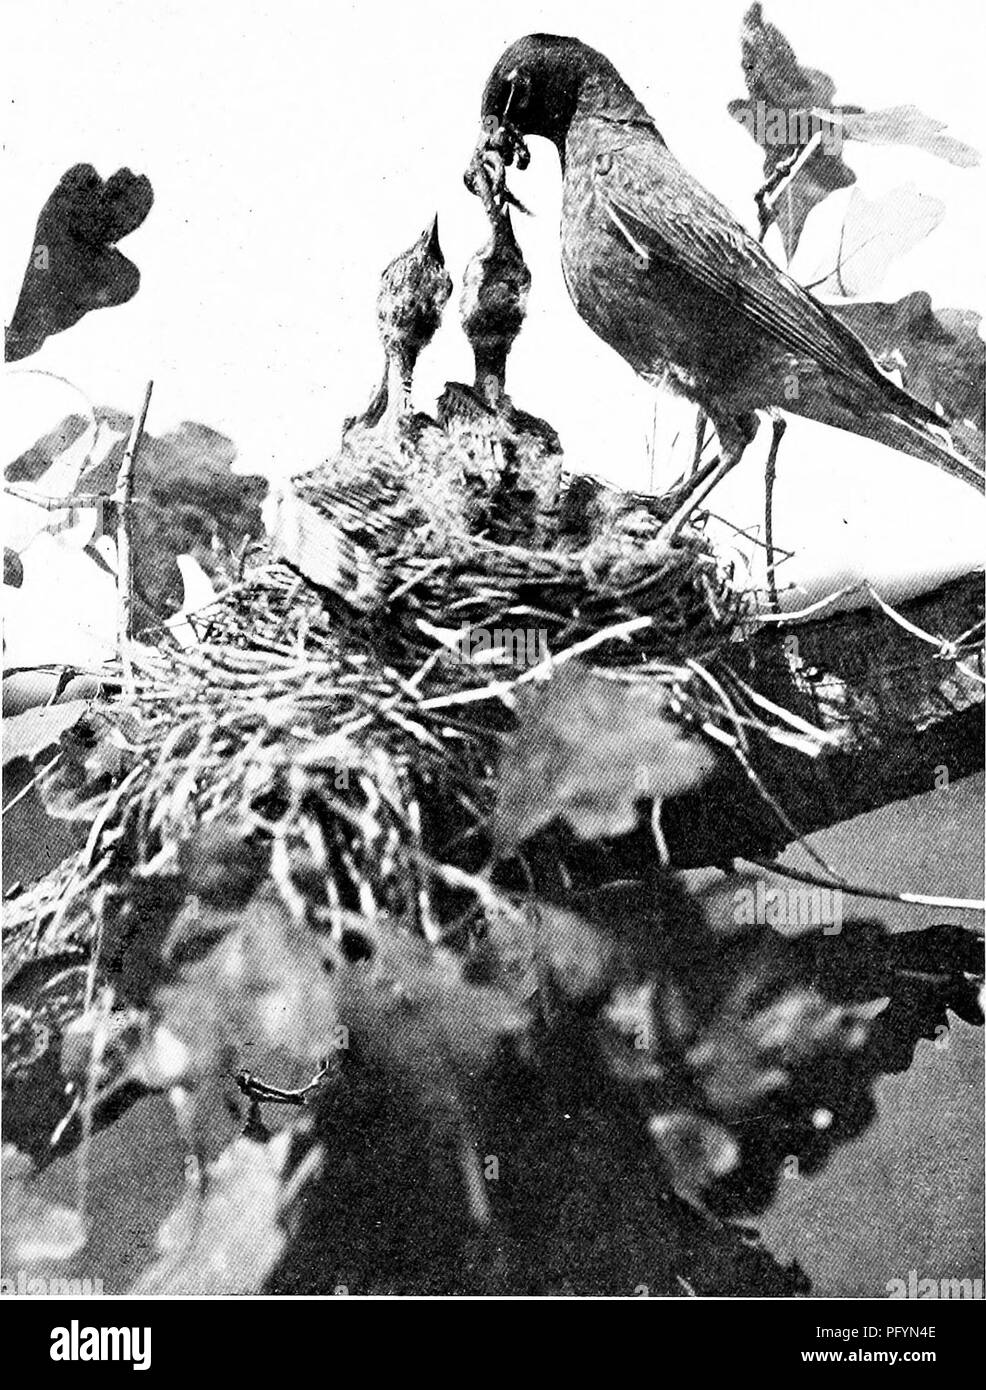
(669, 218)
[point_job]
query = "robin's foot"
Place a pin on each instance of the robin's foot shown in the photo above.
(693, 492)
(684, 492)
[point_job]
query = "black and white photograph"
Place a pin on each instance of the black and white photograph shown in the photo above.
(493, 664)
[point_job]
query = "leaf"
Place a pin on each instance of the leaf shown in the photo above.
(939, 354)
(875, 233)
(198, 594)
(245, 981)
(34, 462)
(226, 1240)
(37, 1234)
(32, 733)
(13, 569)
(696, 1151)
(786, 1036)
(431, 1024)
(906, 125)
(74, 266)
(41, 1004)
(542, 943)
(57, 466)
(189, 501)
(777, 114)
(92, 759)
(587, 749)
(425, 1010)
(783, 97)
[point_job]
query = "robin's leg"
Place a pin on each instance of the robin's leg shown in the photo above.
(701, 429)
(735, 433)
(674, 497)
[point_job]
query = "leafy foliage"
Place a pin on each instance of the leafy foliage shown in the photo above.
(429, 1010)
(783, 97)
(939, 353)
(74, 266)
(874, 233)
(188, 499)
(587, 749)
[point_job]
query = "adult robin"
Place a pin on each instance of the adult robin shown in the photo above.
(664, 273)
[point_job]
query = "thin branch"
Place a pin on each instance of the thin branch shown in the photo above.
(797, 613)
(778, 426)
(79, 501)
(32, 783)
(854, 890)
(769, 195)
(503, 689)
(123, 497)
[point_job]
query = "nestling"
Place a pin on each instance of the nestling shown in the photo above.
(414, 290)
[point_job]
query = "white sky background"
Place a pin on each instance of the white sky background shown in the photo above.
(295, 147)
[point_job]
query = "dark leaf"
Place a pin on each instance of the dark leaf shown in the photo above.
(788, 103)
(74, 265)
(13, 568)
(939, 354)
(188, 500)
(542, 943)
(424, 1011)
(782, 95)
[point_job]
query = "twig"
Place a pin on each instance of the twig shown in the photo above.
(32, 783)
(768, 196)
(795, 614)
(749, 536)
(256, 1089)
(80, 501)
(946, 650)
(503, 689)
(779, 425)
(741, 752)
(854, 890)
(123, 497)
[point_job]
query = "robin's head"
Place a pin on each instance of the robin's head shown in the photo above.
(541, 81)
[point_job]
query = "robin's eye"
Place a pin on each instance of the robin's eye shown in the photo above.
(518, 90)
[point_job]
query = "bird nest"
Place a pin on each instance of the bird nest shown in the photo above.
(365, 743)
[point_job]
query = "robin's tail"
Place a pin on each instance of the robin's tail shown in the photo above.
(922, 442)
